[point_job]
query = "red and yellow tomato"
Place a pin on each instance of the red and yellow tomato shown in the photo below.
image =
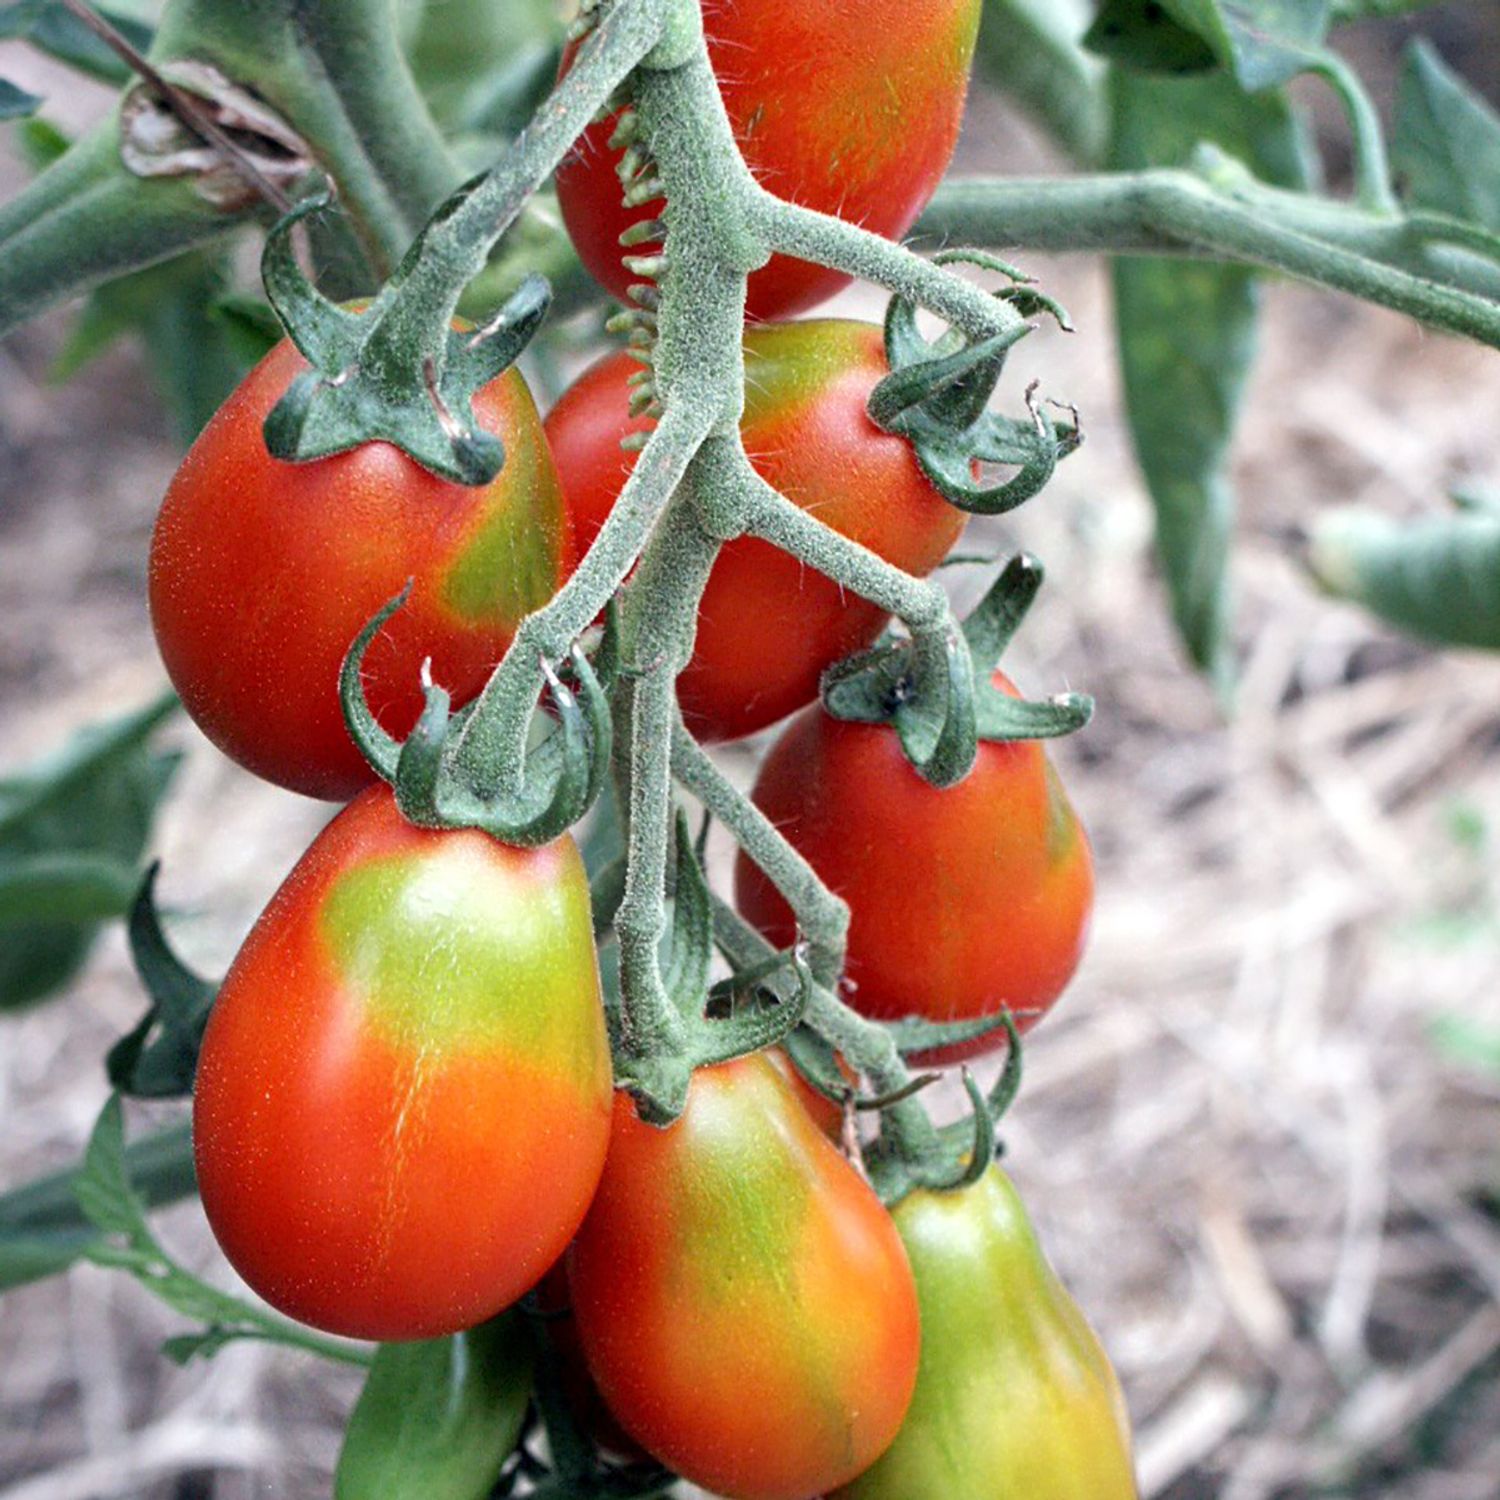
(403, 1098)
(263, 572)
(962, 901)
(768, 625)
(742, 1296)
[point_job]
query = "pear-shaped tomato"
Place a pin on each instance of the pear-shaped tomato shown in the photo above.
(742, 1296)
(768, 624)
(403, 1098)
(962, 901)
(263, 572)
(1015, 1400)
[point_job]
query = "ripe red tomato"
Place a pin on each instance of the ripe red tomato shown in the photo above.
(742, 1297)
(851, 111)
(403, 1098)
(961, 901)
(1015, 1396)
(263, 572)
(768, 624)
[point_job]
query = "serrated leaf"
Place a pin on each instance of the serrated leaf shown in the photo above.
(1187, 339)
(1437, 577)
(438, 1418)
(103, 1186)
(77, 820)
(1445, 145)
(15, 102)
(42, 1227)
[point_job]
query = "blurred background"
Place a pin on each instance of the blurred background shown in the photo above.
(1261, 1136)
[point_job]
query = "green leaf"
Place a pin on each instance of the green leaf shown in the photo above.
(438, 1418)
(196, 358)
(54, 29)
(15, 102)
(41, 143)
(1445, 145)
(1437, 577)
(1263, 42)
(159, 1058)
(250, 325)
(103, 1187)
(1187, 338)
(42, 1228)
(74, 826)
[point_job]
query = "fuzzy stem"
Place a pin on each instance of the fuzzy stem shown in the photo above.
(1235, 218)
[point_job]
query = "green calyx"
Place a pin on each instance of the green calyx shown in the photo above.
(757, 1009)
(436, 787)
(383, 376)
(937, 396)
(942, 704)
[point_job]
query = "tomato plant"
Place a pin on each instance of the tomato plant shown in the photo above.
(1004, 846)
(428, 1003)
(738, 1251)
(263, 572)
(1015, 1396)
(856, 122)
(767, 626)
(412, 1091)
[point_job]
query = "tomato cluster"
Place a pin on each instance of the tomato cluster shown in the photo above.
(404, 1114)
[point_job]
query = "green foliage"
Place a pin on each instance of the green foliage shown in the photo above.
(1437, 577)
(125, 1242)
(1187, 339)
(42, 1228)
(438, 1418)
(160, 1056)
(53, 29)
(15, 102)
(72, 828)
(1445, 146)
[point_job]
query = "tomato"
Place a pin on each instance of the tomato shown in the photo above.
(1015, 1396)
(403, 1098)
(742, 1297)
(826, 1115)
(853, 112)
(768, 624)
(962, 901)
(263, 572)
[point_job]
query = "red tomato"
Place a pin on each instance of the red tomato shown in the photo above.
(962, 901)
(768, 624)
(850, 110)
(743, 1298)
(826, 1115)
(403, 1098)
(263, 572)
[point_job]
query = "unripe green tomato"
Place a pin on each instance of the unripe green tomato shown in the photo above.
(1015, 1398)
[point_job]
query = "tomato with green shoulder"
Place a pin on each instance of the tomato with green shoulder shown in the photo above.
(403, 1097)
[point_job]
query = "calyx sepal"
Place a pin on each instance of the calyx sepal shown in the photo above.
(386, 373)
(937, 397)
(564, 772)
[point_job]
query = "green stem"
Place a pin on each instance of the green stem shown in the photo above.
(1372, 169)
(87, 219)
(1164, 212)
(339, 76)
(822, 917)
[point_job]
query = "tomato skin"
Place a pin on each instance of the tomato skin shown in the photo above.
(1015, 1395)
(743, 1299)
(854, 116)
(403, 1097)
(263, 572)
(962, 901)
(768, 624)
